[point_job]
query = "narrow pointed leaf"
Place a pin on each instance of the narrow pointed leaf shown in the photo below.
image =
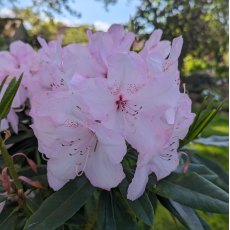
(10, 221)
(208, 174)
(113, 213)
(123, 218)
(61, 205)
(106, 219)
(141, 207)
(2, 83)
(8, 96)
(211, 165)
(187, 216)
(194, 191)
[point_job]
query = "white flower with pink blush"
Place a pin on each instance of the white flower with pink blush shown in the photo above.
(20, 59)
(88, 100)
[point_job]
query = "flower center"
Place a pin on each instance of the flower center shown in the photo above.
(121, 103)
(125, 106)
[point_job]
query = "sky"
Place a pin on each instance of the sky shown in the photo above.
(92, 11)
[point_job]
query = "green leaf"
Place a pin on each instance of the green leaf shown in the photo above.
(203, 222)
(8, 96)
(3, 82)
(113, 213)
(141, 207)
(61, 205)
(76, 220)
(106, 219)
(7, 210)
(187, 216)
(208, 174)
(10, 221)
(207, 112)
(211, 165)
(153, 200)
(194, 191)
(122, 215)
(3, 198)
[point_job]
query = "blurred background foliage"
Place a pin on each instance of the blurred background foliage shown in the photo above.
(204, 60)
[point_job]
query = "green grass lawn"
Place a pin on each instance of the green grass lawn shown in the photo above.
(219, 126)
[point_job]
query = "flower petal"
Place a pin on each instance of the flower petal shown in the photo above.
(121, 38)
(163, 166)
(127, 73)
(101, 171)
(139, 181)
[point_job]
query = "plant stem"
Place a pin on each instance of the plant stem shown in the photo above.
(9, 163)
(13, 173)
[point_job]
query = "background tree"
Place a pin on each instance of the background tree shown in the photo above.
(48, 7)
(50, 29)
(203, 24)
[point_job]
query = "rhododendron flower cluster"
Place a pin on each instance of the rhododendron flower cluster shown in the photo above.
(88, 101)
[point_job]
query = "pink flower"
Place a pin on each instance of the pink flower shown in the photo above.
(160, 55)
(75, 145)
(87, 100)
(128, 101)
(8, 65)
(20, 59)
(167, 159)
(104, 44)
(27, 59)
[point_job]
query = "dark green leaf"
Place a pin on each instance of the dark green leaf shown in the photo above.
(187, 216)
(167, 204)
(208, 174)
(7, 210)
(211, 165)
(77, 220)
(113, 213)
(2, 198)
(10, 221)
(106, 219)
(194, 191)
(203, 222)
(141, 207)
(207, 112)
(61, 205)
(2, 83)
(153, 200)
(122, 216)
(8, 96)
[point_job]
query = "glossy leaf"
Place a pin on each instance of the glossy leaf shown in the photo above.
(211, 165)
(2, 83)
(187, 216)
(8, 96)
(106, 219)
(122, 215)
(203, 117)
(113, 213)
(61, 205)
(194, 191)
(141, 207)
(208, 174)
(9, 221)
